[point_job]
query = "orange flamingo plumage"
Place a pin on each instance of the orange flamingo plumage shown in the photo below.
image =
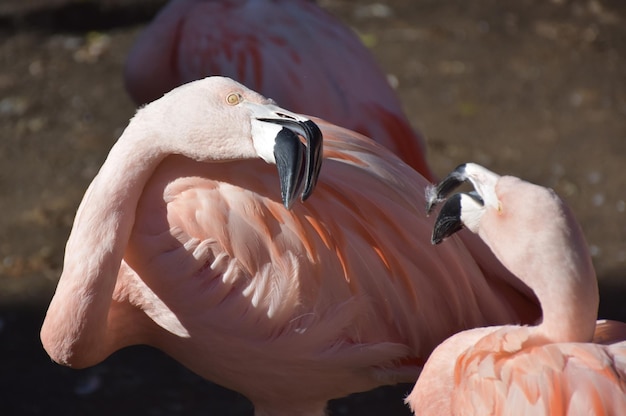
(183, 242)
(569, 364)
(274, 47)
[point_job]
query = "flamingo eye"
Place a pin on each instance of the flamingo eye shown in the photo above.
(234, 98)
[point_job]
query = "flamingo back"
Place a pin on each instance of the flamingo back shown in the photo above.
(509, 372)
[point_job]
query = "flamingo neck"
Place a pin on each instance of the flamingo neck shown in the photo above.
(106, 215)
(570, 307)
(78, 317)
(558, 268)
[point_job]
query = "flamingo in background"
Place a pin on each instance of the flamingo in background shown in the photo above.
(553, 368)
(184, 242)
(274, 47)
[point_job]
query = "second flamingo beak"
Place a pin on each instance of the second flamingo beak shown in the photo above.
(453, 214)
(461, 209)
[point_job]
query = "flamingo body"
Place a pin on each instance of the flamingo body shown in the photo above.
(181, 242)
(569, 364)
(546, 379)
(274, 47)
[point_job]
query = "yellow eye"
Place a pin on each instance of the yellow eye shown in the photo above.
(234, 98)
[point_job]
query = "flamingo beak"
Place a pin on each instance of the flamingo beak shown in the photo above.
(462, 209)
(438, 193)
(453, 214)
(298, 163)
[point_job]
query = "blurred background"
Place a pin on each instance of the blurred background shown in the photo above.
(533, 88)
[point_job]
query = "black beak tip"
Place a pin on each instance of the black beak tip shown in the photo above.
(436, 194)
(314, 145)
(448, 221)
(298, 164)
(289, 155)
(435, 241)
(287, 202)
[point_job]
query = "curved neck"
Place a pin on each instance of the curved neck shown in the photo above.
(569, 301)
(77, 319)
(511, 292)
(106, 214)
(554, 261)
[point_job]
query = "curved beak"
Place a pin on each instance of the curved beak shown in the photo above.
(455, 214)
(482, 179)
(293, 143)
(298, 164)
(462, 209)
(438, 193)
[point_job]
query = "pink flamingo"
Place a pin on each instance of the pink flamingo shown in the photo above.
(182, 242)
(553, 368)
(274, 47)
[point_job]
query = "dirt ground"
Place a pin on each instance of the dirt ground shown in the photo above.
(534, 88)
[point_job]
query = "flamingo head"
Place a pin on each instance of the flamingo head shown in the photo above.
(276, 136)
(462, 209)
(219, 119)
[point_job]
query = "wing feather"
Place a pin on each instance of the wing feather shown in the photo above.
(553, 379)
